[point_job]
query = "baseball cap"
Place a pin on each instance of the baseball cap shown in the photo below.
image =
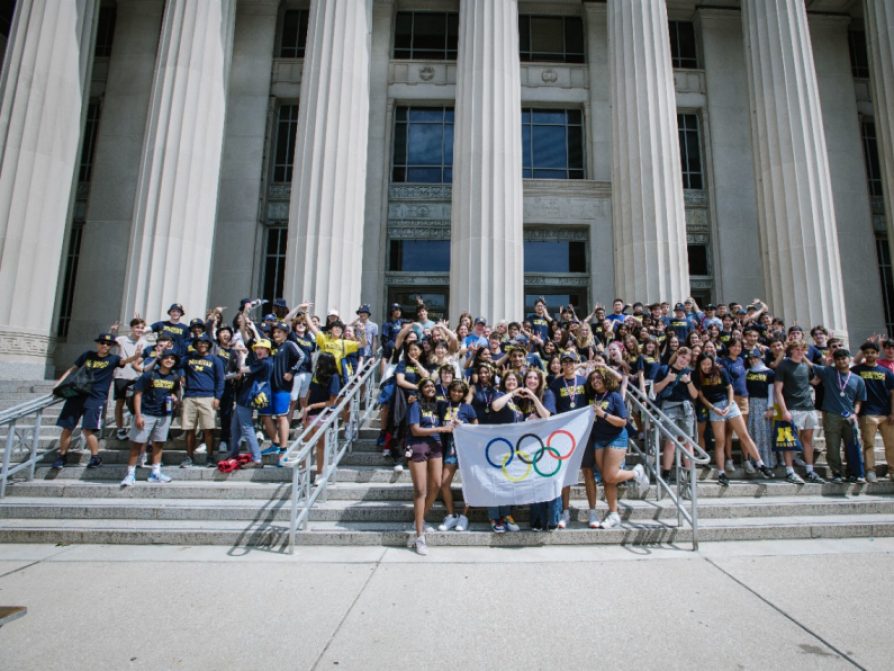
(680, 307)
(280, 303)
(169, 353)
(261, 342)
(196, 322)
(480, 320)
(176, 306)
(364, 308)
(568, 356)
(282, 326)
(270, 317)
(105, 339)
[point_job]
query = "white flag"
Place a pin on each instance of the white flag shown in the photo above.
(529, 462)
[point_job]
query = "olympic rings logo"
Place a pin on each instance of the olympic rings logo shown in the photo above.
(531, 463)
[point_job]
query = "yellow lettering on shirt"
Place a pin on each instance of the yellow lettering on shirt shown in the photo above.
(158, 383)
(568, 391)
(96, 364)
(872, 375)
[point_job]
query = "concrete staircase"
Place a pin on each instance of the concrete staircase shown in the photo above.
(369, 504)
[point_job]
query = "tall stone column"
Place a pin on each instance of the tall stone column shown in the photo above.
(175, 208)
(44, 86)
(648, 217)
(325, 247)
(102, 263)
(799, 238)
(487, 237)
(879, 18)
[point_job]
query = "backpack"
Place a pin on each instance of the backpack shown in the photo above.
(79, 383)
(260, 395)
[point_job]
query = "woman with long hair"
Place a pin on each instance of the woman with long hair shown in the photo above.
(607, 447)
(426, 455)
(457, 411)
(734, 364)
(675, 394)
(324, 388)
(505, 410)
(716, 393)
(671, 345)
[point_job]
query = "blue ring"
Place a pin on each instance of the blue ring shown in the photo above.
(496, 440)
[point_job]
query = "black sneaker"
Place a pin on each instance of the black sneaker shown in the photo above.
(59, 462)
(815, 478)
(836, 479)
(723, 480)
(766, 471)
(95, 461)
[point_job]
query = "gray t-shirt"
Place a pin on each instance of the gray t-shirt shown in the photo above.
(795, 378)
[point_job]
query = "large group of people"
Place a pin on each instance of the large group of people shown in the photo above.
(716, 372)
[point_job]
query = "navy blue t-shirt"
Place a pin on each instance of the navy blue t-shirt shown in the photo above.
(759, 382)
(426, 417)
(321, 393)
(613, 404)
(569, 393)
(736, 370)
(481, 400)
(879, 383)
(308, 346)
(510, 414)
(539, 325)
(714, 387)
(675, 391)
(102, 369)
(287, 358)
(854, 389)
(178, 332)
(411, 373)
(157, 388)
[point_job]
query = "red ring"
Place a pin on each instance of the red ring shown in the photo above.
(570, 436)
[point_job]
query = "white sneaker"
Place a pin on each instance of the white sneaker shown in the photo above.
(611, 521)
(449, 523)
(749, 467)
(159, 478)
(398, 468)
(564, 519)
(871, 476)
(421, 547)
(729, 466)
(260, 436)
(186, 463)
(642, 479)
(593, 519)
(121, 434)
(223, 447)
(201, 449)
(510, 524)
(462, 524)
(129, 479)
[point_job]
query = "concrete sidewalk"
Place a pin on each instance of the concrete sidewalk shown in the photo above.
(822, 604)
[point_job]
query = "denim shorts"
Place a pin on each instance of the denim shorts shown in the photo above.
(732, 414)
(619, 442)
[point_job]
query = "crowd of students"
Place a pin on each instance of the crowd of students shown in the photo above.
(716, 372)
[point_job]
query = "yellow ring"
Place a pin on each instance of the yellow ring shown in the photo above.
(527, 472)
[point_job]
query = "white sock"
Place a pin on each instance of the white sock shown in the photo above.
(789, 470)
(156, 468)
(131, 470)
(809, 468)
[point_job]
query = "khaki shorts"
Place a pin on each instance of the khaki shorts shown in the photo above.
(198, 412)
(742, 402)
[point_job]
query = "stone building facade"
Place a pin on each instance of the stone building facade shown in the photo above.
(477, 154)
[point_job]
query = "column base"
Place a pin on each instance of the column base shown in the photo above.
(26, 356)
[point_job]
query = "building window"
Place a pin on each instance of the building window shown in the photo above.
(682, 44)
(698, 259)
(690, 151)
(426, 35)
(552, 144)
(105, 31)
(427, 256)
(284, 151)
(88, 148)
(870, 154)
(423, 145)
(68, 279)
(884, 268)
(555, 256)
(856, 40)
(552, 39)
(7, 9)
(274, 260)
(293, 34)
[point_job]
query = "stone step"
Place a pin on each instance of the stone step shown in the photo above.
(365, 476)
(277, 509)
(274, 535)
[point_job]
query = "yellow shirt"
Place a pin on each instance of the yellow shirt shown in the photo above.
(338, 348)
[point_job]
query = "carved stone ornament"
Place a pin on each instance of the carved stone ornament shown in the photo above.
(426, 73)
(549, 76)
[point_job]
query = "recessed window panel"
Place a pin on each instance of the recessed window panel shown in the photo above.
(293, 35)
(426, 35)
(555, 256)
(423, 145)
(423, 256)
(690, 151)
(552, 144)
(682, 44)
(551, 39)
(698, 259)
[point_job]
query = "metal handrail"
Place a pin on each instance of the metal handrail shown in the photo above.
(8, 419)
(356, 397)
(659, 429)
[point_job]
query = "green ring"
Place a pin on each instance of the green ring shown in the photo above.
(536, 461)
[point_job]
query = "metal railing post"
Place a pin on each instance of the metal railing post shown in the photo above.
(35, 441)
(7, 455)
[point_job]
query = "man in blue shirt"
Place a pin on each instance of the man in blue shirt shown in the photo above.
(89, 408)
(877, 413)
(179, 332)
(845, 392)
(204, 385)
(287, 361)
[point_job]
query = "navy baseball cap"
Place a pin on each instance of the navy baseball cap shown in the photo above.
(201, 338)
(680, 307)
(364, 308)
(169, 353)
(568, 356)
(282, 326)
(280, 303)
(270, 317)
(105, 339)
(193, 323)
